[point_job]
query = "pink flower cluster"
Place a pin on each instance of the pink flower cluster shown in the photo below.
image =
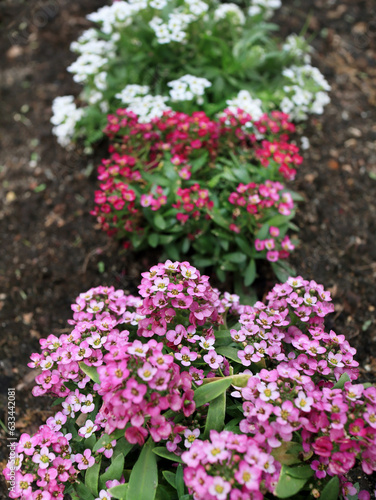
(45, 461)
(229, 466)
(337, 426)
(137, 383)
(290, 328)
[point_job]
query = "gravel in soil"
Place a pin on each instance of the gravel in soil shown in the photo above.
(51, 250)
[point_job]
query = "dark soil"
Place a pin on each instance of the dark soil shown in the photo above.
(51, 250)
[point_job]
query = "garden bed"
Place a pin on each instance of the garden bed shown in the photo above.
(51, 252)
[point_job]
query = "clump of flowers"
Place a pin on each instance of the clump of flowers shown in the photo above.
(250, 401)
(170, 182)
(135, 56)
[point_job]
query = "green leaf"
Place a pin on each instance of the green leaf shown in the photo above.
(115, 471)
(92, 476)
(331, 490)
(236, 257)
(287, 453)
(123, 446)
(119, 491)
(216, 415)
(153, 240)
(90, 371)
(341, 381)
(162, 451)
(159, 222)
(179, 481)
(244, 245)
(170, 478)
(233, 426)
(210, 391)
(230, 353)
(280, 271)
(83, 491)
(287, 485)
(143, 481)
(250, 273)
(300, 471)
(200, 162)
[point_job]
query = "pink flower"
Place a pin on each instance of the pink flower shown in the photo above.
(303, 402)
(84, 460)
(185, 356)
(43, 458)
(219, 488)
(213, 359)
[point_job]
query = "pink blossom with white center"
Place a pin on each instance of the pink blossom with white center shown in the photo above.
(216, 452)
(104, 495)
(138, 349)
(246, 355)
(248, 475)
(55, 423)
(88, 429)
(309, 300)
(303, 402)
(171, 266)
(147, 372)
(213, 359)
(335, 360)
(43, 458)
(190, 436)
(238, 336)
(370, 416)
(96, 341)
(189, 272)
(47, 363)
(268, 392)
(207, 344)
(84, 460)
(219, 488)
(185, 356)
(95, 306)
(87, 404)
(160, 284)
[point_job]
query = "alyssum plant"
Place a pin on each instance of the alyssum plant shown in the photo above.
(201, 187)
(157, 55)
(181, 393)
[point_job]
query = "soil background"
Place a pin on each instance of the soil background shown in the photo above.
(50, 248)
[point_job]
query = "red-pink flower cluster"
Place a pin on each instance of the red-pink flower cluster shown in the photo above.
(230, 466)
(254, 203)
(138, 151)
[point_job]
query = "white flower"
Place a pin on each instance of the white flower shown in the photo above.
(231, 11)
(187, 87)
(129, 92)
(247, 103)
(264, 6)
(65, 116)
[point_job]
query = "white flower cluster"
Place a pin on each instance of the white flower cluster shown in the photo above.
(247, 103)
(187, 88)
(94, 55)
(117, 15)
(265, 7)
(301, 101)
(230, 11)
(65, 115)
(145, 106)
(297, 46)
(173, 30)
